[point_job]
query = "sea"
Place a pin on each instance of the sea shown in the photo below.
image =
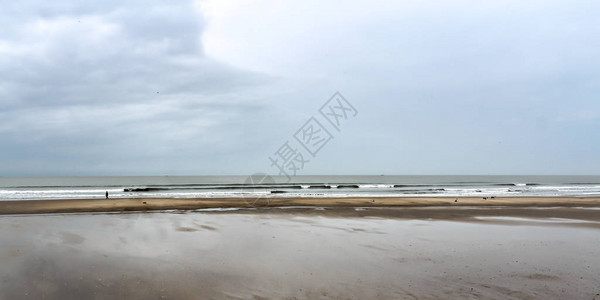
(48, 188)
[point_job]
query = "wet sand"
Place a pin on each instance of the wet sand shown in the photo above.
(482, 252)
(145, 204)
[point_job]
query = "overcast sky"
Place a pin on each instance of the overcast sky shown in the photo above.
(215, 87)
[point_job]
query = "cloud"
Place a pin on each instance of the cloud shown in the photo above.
(103, 84)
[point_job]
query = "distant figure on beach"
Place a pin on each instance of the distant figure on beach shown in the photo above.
(106, 194)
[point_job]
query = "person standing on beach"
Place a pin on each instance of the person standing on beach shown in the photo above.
(106, 194)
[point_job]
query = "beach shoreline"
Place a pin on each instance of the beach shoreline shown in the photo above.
(151, 204)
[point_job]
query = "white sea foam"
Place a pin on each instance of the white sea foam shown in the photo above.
(375, 186)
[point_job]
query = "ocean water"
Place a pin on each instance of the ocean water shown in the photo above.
(39, 188)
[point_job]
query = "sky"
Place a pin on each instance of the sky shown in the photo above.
(218, 87)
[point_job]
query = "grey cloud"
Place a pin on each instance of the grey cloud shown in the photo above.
(101, 87)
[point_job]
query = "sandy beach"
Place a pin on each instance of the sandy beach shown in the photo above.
(301, 248)
(146, 204)
(304, 253)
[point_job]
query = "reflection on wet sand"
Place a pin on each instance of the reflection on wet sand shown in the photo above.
(341, 253)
